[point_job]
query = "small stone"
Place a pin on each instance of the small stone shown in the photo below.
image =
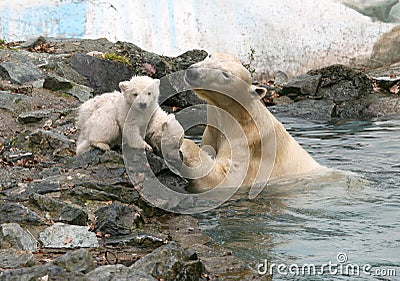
(42, 273)
(77, 261)
(118, 272)
(20, 69)
(81, 92)
(140, 240)
(32, 43)
(15, 212)
(33, 116)
(47, 142)
(170, 262)
(12, 258)
(302, 86)
(60, 211)
(11, 102)
(14, 235)
(280, 78)
(62, 235)
(117, 219)
(56, 83)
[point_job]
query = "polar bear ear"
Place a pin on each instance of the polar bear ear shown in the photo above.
(157, 81)
(257, 92)
(123, 86)
(170, 117)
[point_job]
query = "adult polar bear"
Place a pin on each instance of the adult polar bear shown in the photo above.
(251, 146)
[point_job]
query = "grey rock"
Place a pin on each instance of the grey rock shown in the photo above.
(60, 211)
(118, 219)
(19, 68)
(102, 75)
(32, 43)
(170, 262)
(341, 83)
(163, 65)
(15, 212)
(302, 86)
(12, 102)
(335, 91)
(16, 237)
(34, 116)
(59, 65)
(386, 50)
(118, 272)
(12, 258)
(382, 105)
(377, 11)
(46, 272)
(77, 261)
(49, 143)
(181, 100)
(81, 92)
(62, 235)
(22, 191)
(56, 83)
(84, 192)
(280, 78)
(316, 110)
(138, 240)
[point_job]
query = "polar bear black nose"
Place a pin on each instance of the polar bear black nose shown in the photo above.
(192, 73)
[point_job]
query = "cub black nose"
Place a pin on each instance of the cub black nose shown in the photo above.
(142, 105)
(192, 73)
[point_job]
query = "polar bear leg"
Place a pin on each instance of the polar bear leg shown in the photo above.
(133, 137)
(101, 145)
(82, 146)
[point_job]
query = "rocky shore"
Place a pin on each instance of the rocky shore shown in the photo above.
(67, 217)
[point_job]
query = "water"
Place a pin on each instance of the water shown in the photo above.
(314, 221)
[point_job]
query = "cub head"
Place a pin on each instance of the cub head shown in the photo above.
(141, 91)
(222, 74)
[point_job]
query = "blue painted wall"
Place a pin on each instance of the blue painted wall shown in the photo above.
(63, 19)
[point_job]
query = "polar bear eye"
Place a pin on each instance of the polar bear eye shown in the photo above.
(135, 95)
(209, 56)
(226, 75)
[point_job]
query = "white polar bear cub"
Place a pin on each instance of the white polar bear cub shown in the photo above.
(136, 110)
(102, 118)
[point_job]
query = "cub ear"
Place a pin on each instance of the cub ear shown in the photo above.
(123, 86)
(157, 81)
(257, 92)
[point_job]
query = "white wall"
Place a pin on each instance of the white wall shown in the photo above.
(288, 35)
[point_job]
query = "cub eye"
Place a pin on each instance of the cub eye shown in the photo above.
(149, 93)
(135, 95)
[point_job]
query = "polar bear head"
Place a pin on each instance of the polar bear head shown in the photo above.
(222, 74)
(141, 91)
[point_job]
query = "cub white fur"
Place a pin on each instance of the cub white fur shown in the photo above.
(102, 118)
(134, 110)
